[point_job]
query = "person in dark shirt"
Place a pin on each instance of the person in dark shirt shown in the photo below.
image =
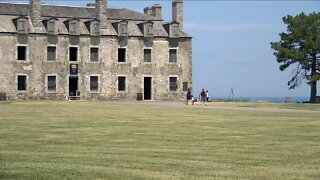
(203, 96)
(189, 96)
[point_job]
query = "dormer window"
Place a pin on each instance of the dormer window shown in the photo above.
(73, 27)
(94, 27)
(21, 24)
(174, 30)
(51, 26)
(146, 29)
(121, 28)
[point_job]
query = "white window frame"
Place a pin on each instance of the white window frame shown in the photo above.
(143, 55)
(78, 54)
(176, 82)
(126, 85)
(177, 50)
(27, 53)
(99, 83)
(51, 45)
(27, 84)
(126, 55)
(46, 83)
(90, 54)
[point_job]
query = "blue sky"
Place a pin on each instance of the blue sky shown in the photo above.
(231, 43)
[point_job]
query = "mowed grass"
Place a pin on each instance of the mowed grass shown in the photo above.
(294, 106)
(101, 140)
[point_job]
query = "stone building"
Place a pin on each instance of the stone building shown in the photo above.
(93, 53)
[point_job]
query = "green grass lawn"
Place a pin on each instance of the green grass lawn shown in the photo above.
(297, 106)
(92, 140)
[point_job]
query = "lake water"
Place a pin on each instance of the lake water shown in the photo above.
(268, 99)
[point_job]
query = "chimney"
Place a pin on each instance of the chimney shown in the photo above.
(177, 12)
(101, 6)
(35, 13)
(156, 11)
(147, 11)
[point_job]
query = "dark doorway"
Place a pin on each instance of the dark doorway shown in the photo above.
(147, 88)
(73, 86)
(73, 54)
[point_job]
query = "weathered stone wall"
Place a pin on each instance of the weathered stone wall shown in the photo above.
(107, 68)
(185, 57)
(7, 69)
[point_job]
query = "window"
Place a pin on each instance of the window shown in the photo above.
(122, 55)
(95, 29)
(185, 86)
(51, 53)
(74, 27)
(22, 26)
(121, 83)
(94, 83)
(94, 54)
(22, 53)
(175, 30)
(52, 83)
(73, 54)
(147, 55)
(22, 82)
(123, 29)
(149, 30)
(173, 83)
(172, 55)
(51, 26)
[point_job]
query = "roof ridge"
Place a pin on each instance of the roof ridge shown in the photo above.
(80, 12)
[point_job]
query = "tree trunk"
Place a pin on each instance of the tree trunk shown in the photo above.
(313, 95)
(313, 83)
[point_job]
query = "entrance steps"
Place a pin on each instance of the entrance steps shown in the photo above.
(74, 98)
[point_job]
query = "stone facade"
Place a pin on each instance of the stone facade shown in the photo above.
(113, 63)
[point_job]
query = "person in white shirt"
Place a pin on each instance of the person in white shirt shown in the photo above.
(207, 97)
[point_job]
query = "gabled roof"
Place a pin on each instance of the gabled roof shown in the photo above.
(74, 12)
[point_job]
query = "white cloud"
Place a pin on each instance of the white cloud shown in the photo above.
(228, 27)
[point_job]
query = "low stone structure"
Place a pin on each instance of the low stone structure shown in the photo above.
(94, 53)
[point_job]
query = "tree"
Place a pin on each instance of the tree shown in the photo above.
(300, 46)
